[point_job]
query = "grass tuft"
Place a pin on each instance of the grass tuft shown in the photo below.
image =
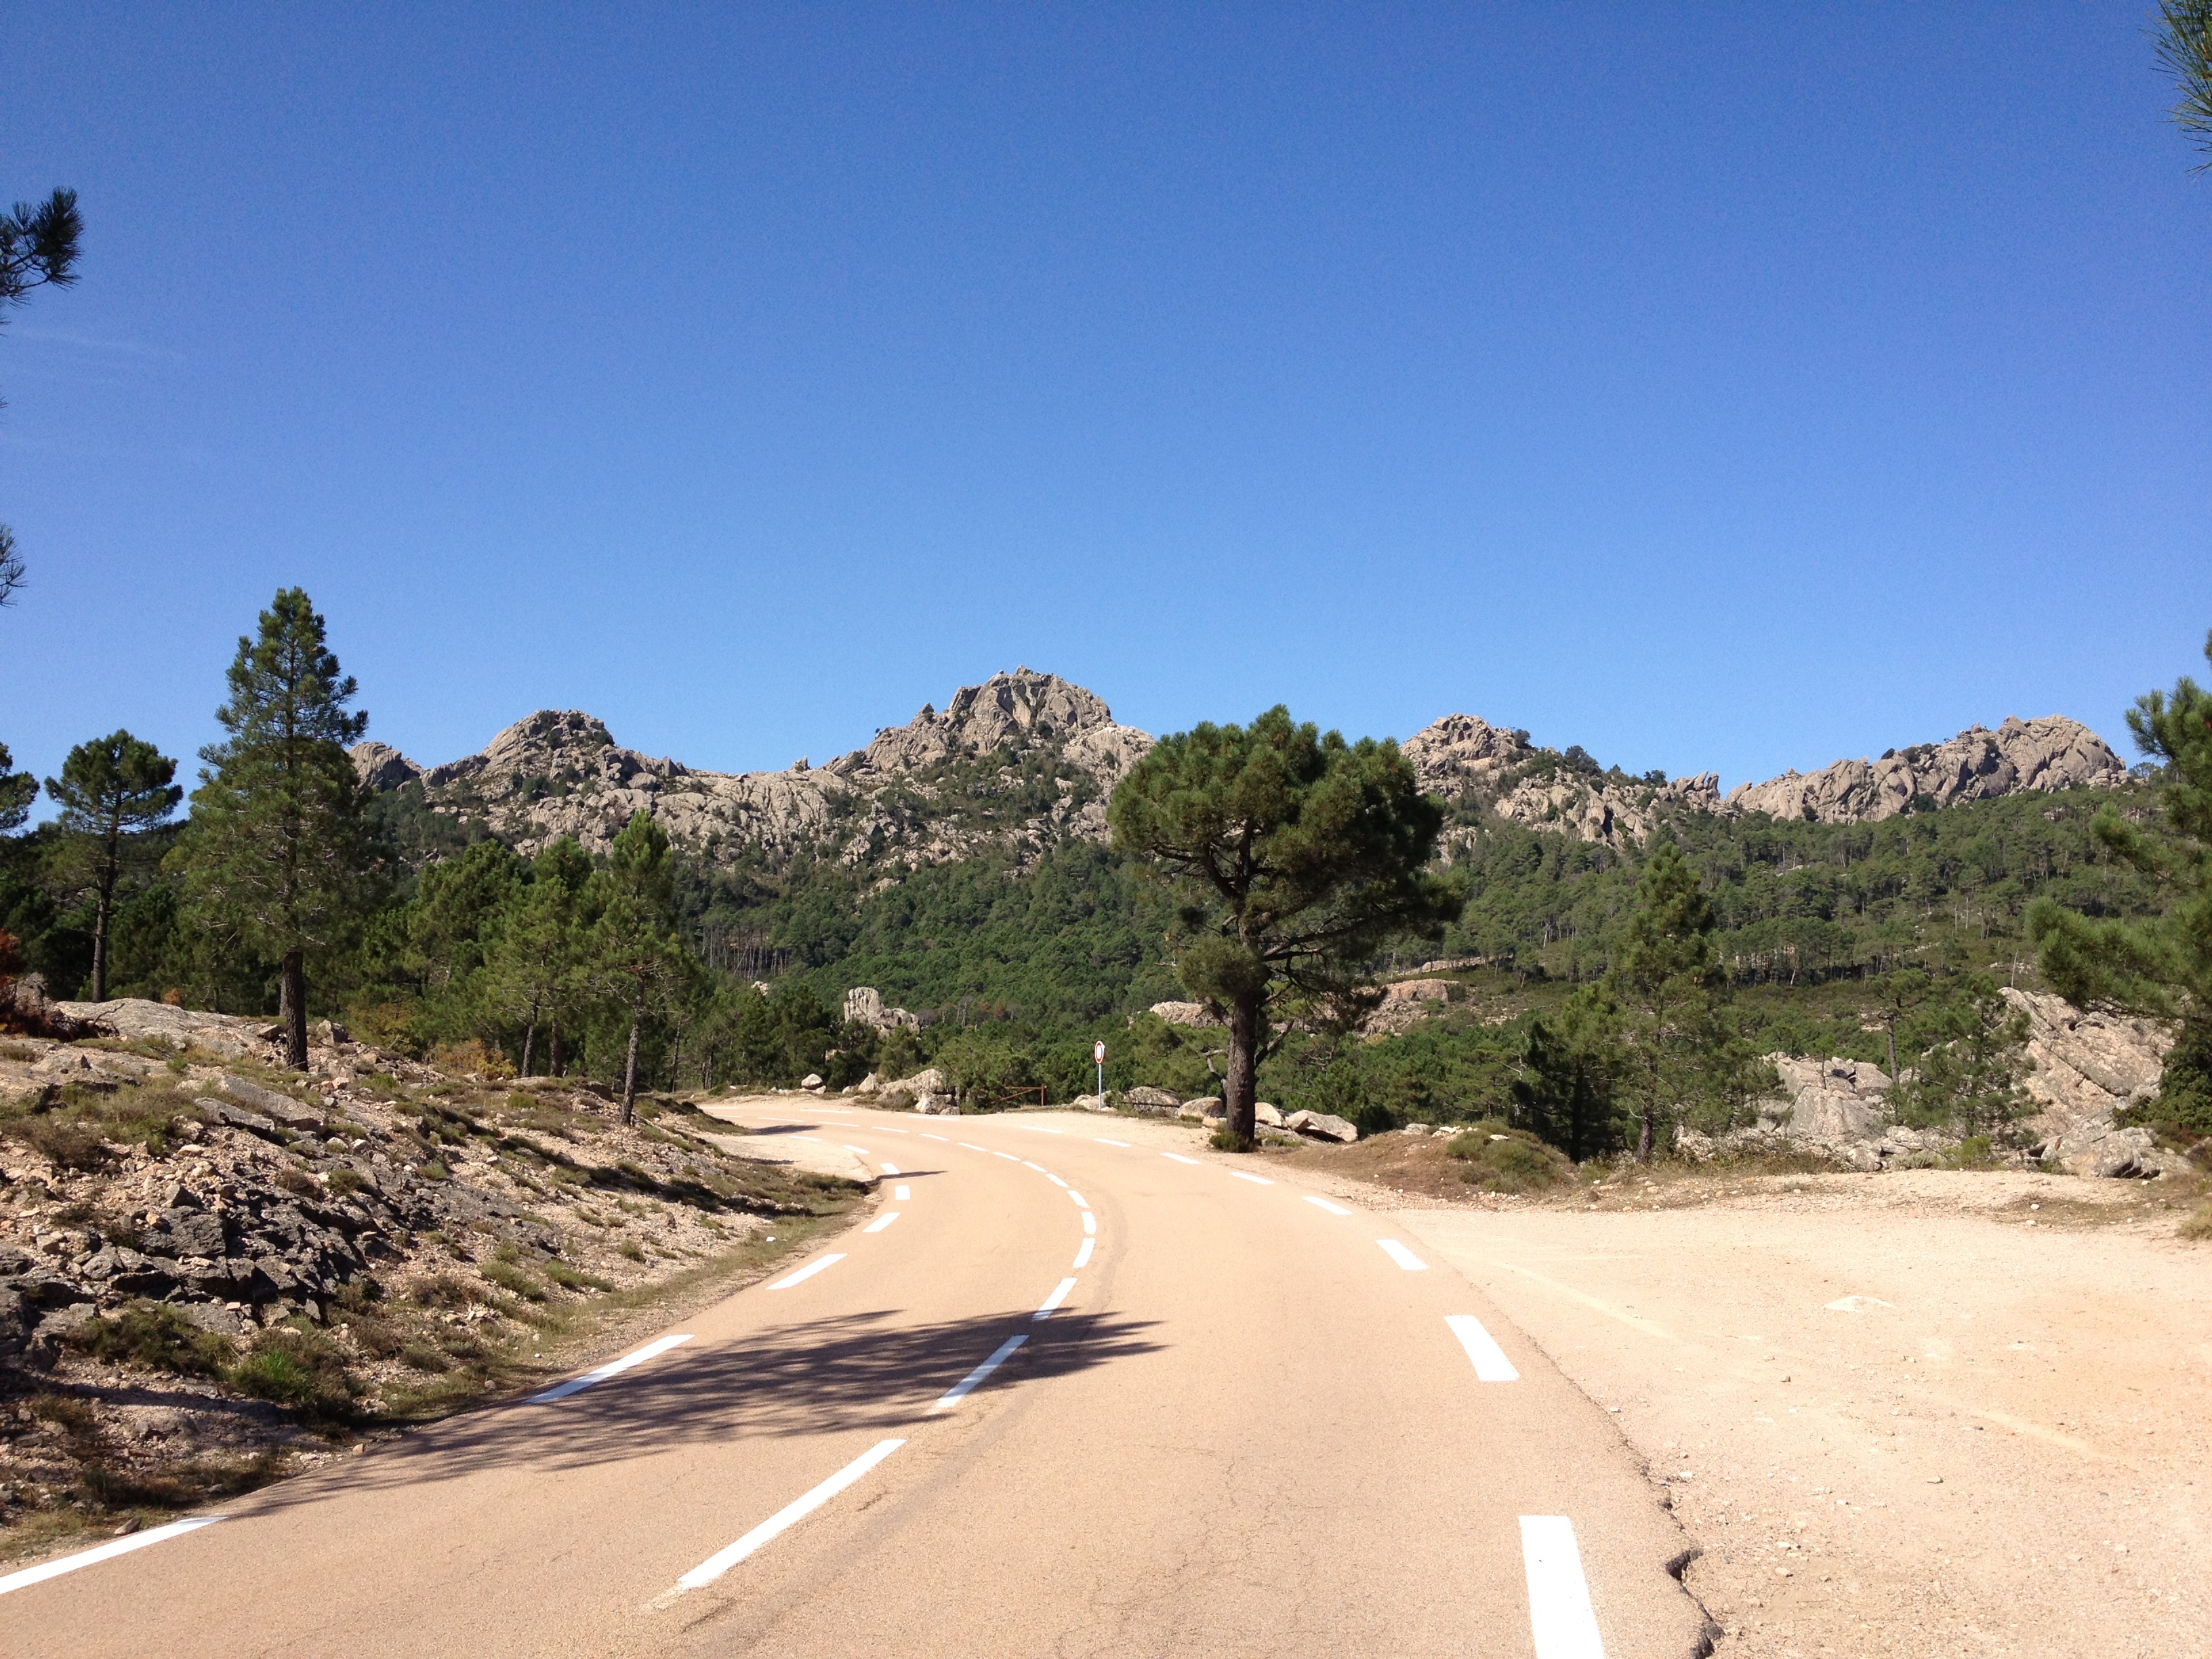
(1499, 1158)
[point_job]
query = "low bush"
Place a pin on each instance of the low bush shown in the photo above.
(2197, 1223)
(514, 1281)
(304, 1369)
(297, 1181)
(345, 1181)
(1499, 1158)
(440, 1291)
(156, 1336)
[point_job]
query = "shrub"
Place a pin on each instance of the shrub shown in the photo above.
(569, 1278)
(65, 1141)
(432, 1169)
(156, 1336)
(301, 1368)
(298, 1183)
(470, 1058)
(440, 1291)
(2197, 1223)
(628, 1249)
(345, 1181)
(1502, 1159)
(514, 1281)
(1375, 1118)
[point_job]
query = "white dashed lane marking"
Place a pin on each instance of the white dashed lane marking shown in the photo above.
(881, 1221)
(1560, 1616)
(953, 1395)
(1054, 1179)
(1257, 1180)
(1323, 1204)
(1404, 1257)
(902, 1194)
(1083, 1256)
(39, 1575)
(807, 1272)
(1491, 1364)
(1059, 1295)
(1080, 1203)
(1103, 1141)
(798, 1509)
(1090, 1221)
(890, 1168)
(614, 1368)
(1178, 1157)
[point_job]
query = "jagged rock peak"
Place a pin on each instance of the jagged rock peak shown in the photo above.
(1461, 750)
(2021, 756)
(380, 767)
(1014, 710)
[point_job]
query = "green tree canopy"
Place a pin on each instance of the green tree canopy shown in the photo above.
(1678, 1058)
(17, 791)
(1294, 856)
(110, 789)
(636, 957)
(2185, 51)
(279, 851)
(2156, 968)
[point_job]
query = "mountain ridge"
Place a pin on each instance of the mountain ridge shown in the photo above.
(1026, 759)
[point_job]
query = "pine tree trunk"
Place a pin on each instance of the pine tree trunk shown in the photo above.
(292, 1009)
(529, 1041)
(629, 1074)
(1644, 1137)
(99, 945)
(1241, 1088)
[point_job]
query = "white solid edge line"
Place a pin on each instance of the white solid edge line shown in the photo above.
(1491, 1364)
(137, 1541)
(902, 1194)
(1322, 1203)
(1178, 1157)
(613, 1368)
(1404, 1257)
(1081, 1203)
(1059, 1295)
(1091, 1221)
(1257, 1180)
(1103, 1141)
(807, 1272)
(1560, 1616)
(1054, 1179)
(798, 1509)
(881, 1221)
(1083, 1255)
(960, 1390)
(890, 1168)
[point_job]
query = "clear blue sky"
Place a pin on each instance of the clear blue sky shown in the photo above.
(1712, 387)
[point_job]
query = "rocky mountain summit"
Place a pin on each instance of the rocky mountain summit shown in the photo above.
(1467, 759)
(1027, 759)
(1015, 764)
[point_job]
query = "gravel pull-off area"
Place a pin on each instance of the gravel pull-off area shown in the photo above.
(1902, 1414)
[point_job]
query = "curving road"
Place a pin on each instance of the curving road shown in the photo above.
(1074, 1386)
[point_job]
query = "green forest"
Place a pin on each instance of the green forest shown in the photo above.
(442, 941)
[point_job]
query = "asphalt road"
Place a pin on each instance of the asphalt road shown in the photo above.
(1230, 1417)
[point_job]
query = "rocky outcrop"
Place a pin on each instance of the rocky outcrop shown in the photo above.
(1467, 759)
(2090, 1068)
(864, 1005)
(2021, 756)
(906, 799)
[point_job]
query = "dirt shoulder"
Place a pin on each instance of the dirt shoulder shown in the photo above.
(1901, 1414)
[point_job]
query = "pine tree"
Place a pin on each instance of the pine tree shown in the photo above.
(1679, 1057)
(1568, 1089)
(1968, 1074)
(17, 791)
(1295, 857)
(2158, 969)
(111, 788)
(636, 958)
(279, 851)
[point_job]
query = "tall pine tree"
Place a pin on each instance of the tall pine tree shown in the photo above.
(110, 789)
(279, 851)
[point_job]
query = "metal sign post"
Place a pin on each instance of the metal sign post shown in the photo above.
(1098, 1054)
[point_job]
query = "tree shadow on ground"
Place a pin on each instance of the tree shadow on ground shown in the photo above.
(860, 1371)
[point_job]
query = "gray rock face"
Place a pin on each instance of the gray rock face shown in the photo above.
(2021, 756)
(380, 767)
(1460, 757)
(231, 1035)
(2088, 1067)
(561, 773)
(1322, 1126)
(1157, 1101)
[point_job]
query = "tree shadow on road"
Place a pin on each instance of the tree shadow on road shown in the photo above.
(859, 1372)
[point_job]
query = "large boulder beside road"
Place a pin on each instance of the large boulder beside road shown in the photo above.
(1322, 1126)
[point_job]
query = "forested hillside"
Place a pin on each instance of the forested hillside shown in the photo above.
(959, 866)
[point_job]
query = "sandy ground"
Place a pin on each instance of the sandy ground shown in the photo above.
(1903, 1414)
